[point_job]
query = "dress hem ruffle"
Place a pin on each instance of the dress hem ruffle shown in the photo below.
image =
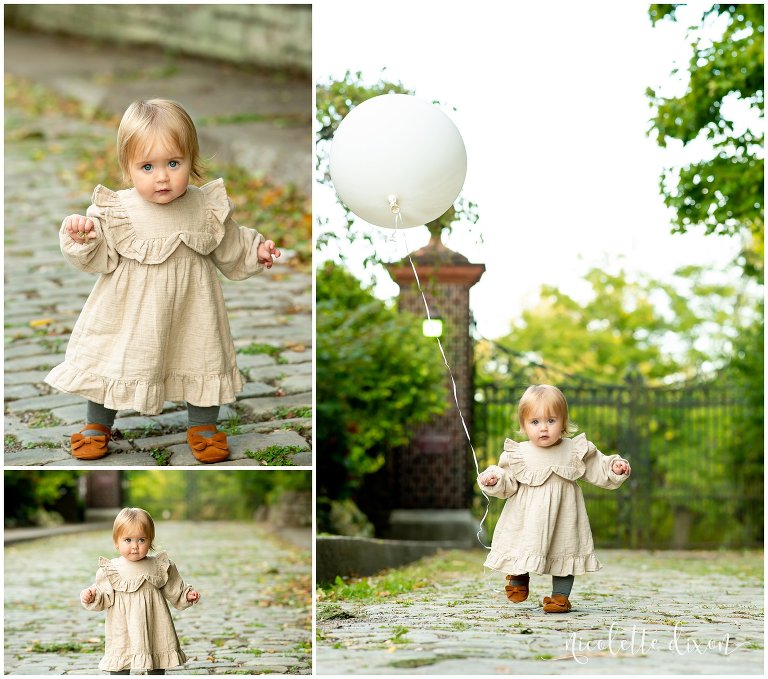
(143, 661)
(543, 565)
(144, 396)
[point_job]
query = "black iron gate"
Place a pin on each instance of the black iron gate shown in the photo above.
(697, 460)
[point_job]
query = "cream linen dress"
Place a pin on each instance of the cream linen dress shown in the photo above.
(139, 629)
(544, 527)
(155, 328)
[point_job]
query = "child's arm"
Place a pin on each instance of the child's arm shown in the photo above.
(100, 595)
(178, 594)
(243, 252)
(605, 471)
(83, 244)
(498, 480)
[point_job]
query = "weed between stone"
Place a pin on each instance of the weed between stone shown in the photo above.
(278, 456)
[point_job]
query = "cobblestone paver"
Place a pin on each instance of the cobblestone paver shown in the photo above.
(254, 616)
(643, 613)
(44, 295)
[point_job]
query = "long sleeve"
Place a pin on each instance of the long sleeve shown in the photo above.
(236, 256)
(598, 469)
(175, 590)
(105, 595)
(507, 485)
(96, 256)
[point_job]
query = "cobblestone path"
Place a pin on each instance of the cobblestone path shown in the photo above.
(643, 613)
(254, 616)
(44, 296)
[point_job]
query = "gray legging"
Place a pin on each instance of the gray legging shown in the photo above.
(561, 584)
(98, 414)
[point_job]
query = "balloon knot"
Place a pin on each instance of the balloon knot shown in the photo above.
(394, 208)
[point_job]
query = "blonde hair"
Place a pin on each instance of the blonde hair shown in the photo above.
(144, 121)
(548, 398)
(131, 517)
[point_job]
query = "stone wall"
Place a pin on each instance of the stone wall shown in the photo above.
(268, 36)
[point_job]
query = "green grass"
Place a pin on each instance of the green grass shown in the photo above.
(277, 120)
(332, 612)
(399, 635)
(400, 581)
(39, 444)
(291, 412)
(65, 647)
(41, 420)
(161, 456)
(257, 348)
(411, 663)
(140, 432)
(232, 426)
(277, 456)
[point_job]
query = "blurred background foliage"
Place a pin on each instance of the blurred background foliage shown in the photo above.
(376, 379)
(50, 497)
(42, 498)
(210, 495)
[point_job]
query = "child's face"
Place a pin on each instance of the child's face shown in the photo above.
(160, 173)
(133, 544)
(543, 430)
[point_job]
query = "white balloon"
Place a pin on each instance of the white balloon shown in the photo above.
(396, 147)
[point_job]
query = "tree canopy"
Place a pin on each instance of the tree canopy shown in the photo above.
(723, 191)
(663, 331)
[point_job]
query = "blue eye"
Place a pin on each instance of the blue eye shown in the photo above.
(173, 163)
(146, 168)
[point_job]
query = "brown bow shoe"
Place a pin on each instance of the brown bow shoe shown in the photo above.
(557, 603)
(90, 447)
(517, 593)
(208, 450)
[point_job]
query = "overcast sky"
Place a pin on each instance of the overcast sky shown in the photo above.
(550, 101)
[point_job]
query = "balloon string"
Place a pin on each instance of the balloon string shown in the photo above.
(398, 223)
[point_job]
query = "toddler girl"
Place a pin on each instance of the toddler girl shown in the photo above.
(154, 328)
(544, 526)
(133, 589)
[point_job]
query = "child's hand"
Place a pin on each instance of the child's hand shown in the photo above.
(193, 596)
(266, 251)
(487, 479)
(620, 467)
(80, 229)
(88, 596)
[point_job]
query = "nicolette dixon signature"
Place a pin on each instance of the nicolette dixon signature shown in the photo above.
(638, 642)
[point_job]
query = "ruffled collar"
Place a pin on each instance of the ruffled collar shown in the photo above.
(195, 219)
(531, 466)
(128, 576)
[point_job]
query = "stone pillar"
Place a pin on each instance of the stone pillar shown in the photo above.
(434, 471)
(103, 494)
